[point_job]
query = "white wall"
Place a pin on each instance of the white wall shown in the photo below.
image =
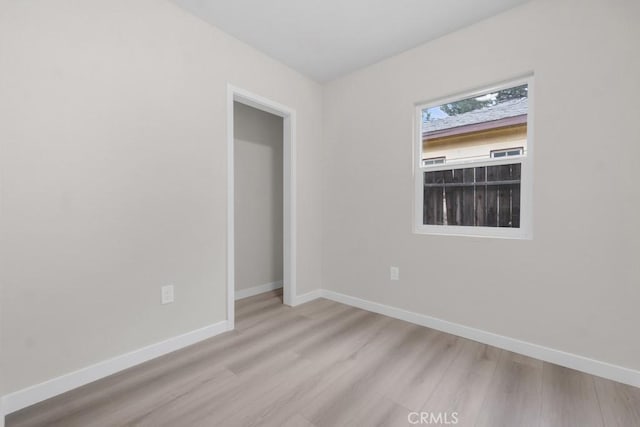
(113, 163)
(113, 159)
(258, 196)
(575, 286)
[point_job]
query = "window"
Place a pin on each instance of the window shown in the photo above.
(474, 161)
(433, 161)
(508, 152)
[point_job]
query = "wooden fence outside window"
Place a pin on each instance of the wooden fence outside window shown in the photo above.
(484, 196)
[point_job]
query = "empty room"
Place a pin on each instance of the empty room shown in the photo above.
(303, 213)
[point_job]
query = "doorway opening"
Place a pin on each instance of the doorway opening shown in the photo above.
(261, 193)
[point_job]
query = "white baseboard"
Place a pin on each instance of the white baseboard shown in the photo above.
(558, 357)
(249, 292)
(31, 395)
(309, 296)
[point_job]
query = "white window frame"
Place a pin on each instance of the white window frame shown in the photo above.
(434, 160)
(525, 231)
(493, 153)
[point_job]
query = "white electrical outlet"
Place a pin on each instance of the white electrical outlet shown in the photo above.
(394, 272)
(166, 293)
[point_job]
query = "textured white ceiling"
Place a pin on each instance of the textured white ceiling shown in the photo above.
(325, 39)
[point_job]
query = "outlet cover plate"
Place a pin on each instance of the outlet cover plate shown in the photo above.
(166, 293)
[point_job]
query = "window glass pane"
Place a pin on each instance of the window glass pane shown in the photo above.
(472, 128)
(473, 196)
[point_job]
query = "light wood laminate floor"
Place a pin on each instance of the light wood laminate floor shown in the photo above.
(327, 364)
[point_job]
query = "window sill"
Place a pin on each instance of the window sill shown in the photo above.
(465, 231)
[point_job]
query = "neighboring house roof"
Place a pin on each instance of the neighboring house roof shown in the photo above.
(507, 113)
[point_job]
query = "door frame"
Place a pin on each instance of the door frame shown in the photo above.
(236, 94)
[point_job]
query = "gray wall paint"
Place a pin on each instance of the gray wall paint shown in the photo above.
(113, 141)
(113, 135)
(258, 196)
(575, 286)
